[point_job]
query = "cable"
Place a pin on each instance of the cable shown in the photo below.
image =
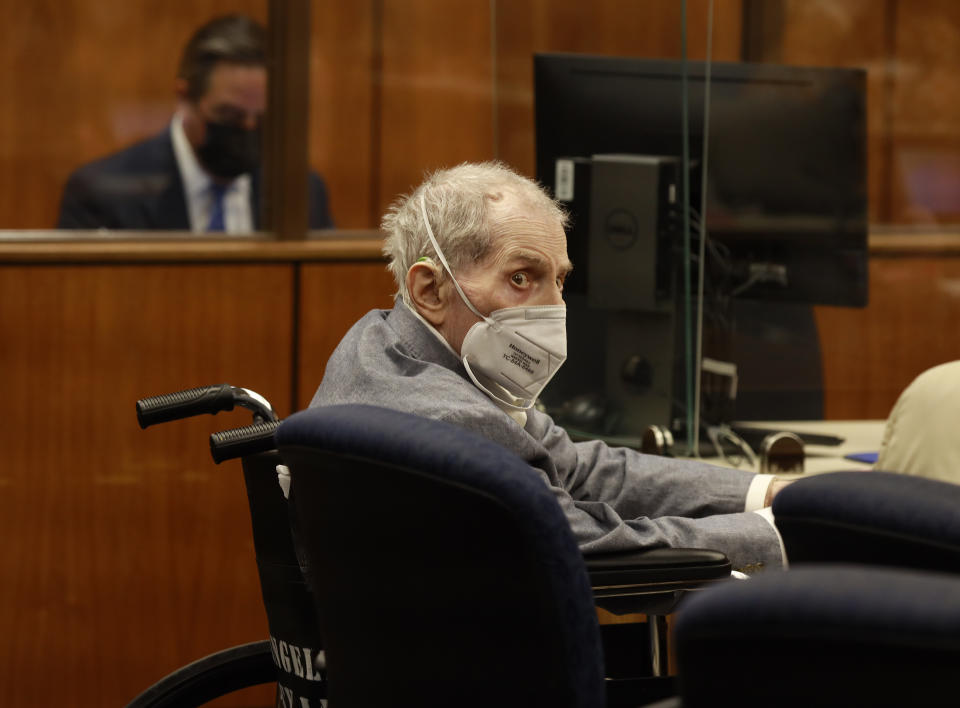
(719, 434)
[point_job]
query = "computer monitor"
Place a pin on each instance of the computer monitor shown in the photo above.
(786, 161)
(786, 216)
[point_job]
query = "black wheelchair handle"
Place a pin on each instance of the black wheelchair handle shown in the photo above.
(239, 442)
(184, 404)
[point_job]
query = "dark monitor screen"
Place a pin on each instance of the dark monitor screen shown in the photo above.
(786, 161)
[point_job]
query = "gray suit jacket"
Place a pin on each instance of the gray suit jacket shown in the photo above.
(615, 498)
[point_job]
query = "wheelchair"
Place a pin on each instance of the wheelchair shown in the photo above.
(292, 656)
(650, 583)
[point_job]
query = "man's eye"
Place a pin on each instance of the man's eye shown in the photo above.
(520, 279)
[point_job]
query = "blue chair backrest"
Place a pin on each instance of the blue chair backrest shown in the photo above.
(295, 640)
(877, 518)
(444, 570)
(830, 635)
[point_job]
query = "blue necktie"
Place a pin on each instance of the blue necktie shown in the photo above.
(217, 191)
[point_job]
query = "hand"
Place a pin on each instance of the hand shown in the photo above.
(776, 484)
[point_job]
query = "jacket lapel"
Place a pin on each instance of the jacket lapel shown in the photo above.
(165, 206)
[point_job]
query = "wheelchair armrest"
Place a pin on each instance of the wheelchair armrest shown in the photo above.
(652, 582)
(684, 566)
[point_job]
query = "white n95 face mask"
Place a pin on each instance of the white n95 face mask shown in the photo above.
(518, 348)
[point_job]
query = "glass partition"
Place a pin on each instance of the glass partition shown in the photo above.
(90, 81)
(399, 88)
(907, 52)
(800, 352)
(565, 69)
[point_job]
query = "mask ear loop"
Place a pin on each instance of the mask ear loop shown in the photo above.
(528, 403)
(443, 260)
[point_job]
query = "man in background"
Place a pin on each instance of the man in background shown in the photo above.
(202, 173)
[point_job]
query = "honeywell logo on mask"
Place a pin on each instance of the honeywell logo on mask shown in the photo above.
(520, 358)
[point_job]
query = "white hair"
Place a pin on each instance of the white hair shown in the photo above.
(458, 201)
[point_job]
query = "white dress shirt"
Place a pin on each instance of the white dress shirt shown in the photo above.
(237, 209)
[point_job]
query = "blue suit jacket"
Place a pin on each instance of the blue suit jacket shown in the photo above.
(140, 187)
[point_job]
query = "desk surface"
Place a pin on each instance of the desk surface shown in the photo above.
(859, 436)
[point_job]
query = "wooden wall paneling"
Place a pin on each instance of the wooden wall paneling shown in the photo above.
(847, 33)
(609, 27)
(620, 27)
(344, 117)
(870, 355)
(285, 127)
(436, 90)
(126, 553)
(838, 32)
(82, 80)
(333, 296)
(925, 108)
(403, 87)
(908, 49)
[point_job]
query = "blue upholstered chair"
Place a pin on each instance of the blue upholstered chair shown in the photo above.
(446, 574)
(868, 614)
(833, 635)
(876, 518)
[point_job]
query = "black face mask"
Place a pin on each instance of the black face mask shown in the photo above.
(229, 150)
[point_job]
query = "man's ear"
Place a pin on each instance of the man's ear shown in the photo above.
(423, 284)
(180, 88)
